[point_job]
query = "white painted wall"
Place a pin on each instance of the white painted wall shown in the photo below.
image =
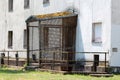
(115, 33)
(15, 20)
(2, 24)
(91, 11)
(54, 6)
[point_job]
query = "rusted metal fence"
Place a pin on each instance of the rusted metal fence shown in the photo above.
(66, 60)
(58, 60)
(14, 58)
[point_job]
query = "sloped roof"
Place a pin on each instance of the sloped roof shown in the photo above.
(53, 15)
(50, 16)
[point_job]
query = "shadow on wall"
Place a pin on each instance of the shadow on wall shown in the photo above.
(79, 43)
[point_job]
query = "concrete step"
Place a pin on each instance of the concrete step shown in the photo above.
(34, 64)
(101, 75)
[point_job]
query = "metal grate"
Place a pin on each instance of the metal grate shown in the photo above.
(50, 39)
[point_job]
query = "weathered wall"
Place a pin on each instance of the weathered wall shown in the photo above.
(115, 33)
(2, 24)
(91, 11)
(54, 6)
(15, 20)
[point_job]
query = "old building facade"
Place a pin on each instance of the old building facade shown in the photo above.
(97, 28)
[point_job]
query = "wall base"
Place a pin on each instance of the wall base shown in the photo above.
(114, 69)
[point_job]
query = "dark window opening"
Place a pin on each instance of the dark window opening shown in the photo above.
(26, 4)
(97, 33)
(46, 3)
(10, 5)
(25, 40)
(96, 62)
(10, 39)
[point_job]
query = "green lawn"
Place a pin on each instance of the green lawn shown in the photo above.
(10, 74)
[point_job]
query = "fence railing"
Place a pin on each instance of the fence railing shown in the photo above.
(20, 56)
(13, 57)
(51, 57)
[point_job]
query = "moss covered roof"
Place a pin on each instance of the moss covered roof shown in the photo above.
(50, 16)
(58, 14)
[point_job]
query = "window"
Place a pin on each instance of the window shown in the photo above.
(46, 2)
(25, 39)
(10, 5)
(97, 33)
(26, 4)
(10, 39)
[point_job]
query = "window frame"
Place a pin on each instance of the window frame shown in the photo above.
(10, 39)
(93, 32)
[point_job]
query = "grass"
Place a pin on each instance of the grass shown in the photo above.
(12, 74)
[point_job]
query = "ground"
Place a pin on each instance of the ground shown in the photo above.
(12, 74)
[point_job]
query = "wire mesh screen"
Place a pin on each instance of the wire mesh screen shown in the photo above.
(51, 42)
(34, 43)
(54, 38)
(50, 39)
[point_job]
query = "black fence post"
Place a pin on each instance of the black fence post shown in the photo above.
(68, 60)
(2, 58)
(105, 61)
(53, 60)
(8, 57)
(16, 56)
(40, 58)
(40, 50)
(28, 58)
